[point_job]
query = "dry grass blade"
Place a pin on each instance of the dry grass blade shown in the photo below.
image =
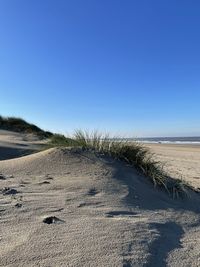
(136, 155)
(133, 153)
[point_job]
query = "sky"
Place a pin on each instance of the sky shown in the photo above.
(123, 66)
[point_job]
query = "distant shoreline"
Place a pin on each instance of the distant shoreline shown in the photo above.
(171, 140)
(171, 143)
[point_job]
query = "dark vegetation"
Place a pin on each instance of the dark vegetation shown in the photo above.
(22, 126)
(61, 140)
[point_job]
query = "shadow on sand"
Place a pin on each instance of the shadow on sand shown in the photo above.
(143, 195)
(169, 238)
(11, 153)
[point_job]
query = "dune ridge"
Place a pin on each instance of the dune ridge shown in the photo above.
(101, 213)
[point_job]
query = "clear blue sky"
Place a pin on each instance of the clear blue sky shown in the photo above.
(125, 66)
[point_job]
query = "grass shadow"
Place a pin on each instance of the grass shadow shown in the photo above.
(169, 236)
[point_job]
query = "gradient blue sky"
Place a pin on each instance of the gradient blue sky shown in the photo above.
(125, 66)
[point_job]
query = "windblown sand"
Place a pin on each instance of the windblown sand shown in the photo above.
(13, 145)
(63, 207)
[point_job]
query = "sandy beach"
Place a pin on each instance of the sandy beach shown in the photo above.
(182, 161)
(99, 133)
(68, 207)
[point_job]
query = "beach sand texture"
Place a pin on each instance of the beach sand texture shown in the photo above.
(182, 161)
(67, 207)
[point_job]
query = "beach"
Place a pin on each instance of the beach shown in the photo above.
(180, 160)
(70, 207)
(99, 133)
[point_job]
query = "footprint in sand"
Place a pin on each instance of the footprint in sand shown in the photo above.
(48, 177)
(18, 200)
(92, 192)
(2, 177)
(18, 205)
(52, 220)
(44, 182)
(2, 210)
(9, 191)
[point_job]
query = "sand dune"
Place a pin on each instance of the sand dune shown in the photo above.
(13, 145)
(67, 207)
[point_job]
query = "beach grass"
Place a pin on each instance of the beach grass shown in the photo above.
(135, 154)
(61, 140)
(19, 125)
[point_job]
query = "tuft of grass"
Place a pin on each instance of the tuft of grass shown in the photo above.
(93, 141)
(134, 154)
(19, 125)
(61, 140)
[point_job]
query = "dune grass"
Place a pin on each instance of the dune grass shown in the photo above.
(19, 125)
(61, 140)
(134, 154)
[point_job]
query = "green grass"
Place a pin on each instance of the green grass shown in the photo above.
(61, 140)
(134, 154)
(22, 126)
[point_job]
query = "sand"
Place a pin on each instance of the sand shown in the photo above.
(13, 145)
(182, 161)
(67, 207)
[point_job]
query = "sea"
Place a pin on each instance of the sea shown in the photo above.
(170, 140)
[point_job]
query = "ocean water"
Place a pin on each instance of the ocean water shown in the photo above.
(171, 140)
